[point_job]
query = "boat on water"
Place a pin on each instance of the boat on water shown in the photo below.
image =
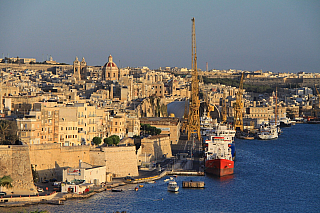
(268, 132)
(173, 186)
(222, 130)
(285, 122)
(218, 157)
(208, 129)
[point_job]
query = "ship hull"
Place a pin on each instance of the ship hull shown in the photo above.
(219, 167)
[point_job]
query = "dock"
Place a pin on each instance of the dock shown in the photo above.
(193, 184)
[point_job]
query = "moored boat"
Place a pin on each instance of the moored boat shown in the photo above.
(173, 186)
(218, 157)
(268, 132)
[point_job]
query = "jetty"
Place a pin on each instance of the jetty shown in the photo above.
(193, 184)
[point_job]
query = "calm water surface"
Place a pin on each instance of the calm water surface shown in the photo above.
(280, 175)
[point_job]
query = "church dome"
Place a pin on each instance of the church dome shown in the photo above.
(110, 63)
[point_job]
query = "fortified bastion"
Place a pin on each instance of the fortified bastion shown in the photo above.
(15, 161)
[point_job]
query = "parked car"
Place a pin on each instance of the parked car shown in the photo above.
(56, 184)
(3, 193)
(40, 189)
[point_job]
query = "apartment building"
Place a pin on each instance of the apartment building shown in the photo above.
(117, 125)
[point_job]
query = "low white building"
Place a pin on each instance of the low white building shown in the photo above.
(76, 180)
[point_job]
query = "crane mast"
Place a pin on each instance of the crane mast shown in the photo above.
(238, 123)
(193, 117)
(224, 107)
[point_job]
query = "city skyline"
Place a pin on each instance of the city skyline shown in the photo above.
(277, 36)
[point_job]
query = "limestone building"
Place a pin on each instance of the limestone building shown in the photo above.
(169, 126)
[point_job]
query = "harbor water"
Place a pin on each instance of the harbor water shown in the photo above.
(280, 175)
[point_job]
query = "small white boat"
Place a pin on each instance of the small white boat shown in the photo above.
(173, 186)
(165, 180)
(268, 132)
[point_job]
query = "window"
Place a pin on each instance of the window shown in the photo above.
(61, 128)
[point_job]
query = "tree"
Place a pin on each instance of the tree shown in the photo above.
(8, 132)
(35, 174)
(150, 130)
(96, 141)
(115, 138)
(158, 131)
(108, 141)
(6, 181)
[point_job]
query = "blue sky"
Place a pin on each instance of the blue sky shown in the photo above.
(272, 35)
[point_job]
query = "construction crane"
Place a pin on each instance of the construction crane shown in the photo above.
(316, 109)
(210, 108)
(224, 107)
(193, 118)
(185, 116)
(238, 116)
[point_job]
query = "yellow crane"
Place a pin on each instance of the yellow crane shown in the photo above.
(238, 116)
(185, 117)
(224, 107)
(316, 109)
(193, 118)
(210, 108)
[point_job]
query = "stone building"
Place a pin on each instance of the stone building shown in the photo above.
(117, 125)
(169, 126)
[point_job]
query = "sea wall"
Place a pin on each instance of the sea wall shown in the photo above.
(49, 160)
(15, 161)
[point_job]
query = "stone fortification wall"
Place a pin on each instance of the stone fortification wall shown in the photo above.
(157, 146)
(15, 161)
(22, 67)
(51, 159)
(121, 161)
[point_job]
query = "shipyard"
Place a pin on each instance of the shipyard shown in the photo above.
(119, 119)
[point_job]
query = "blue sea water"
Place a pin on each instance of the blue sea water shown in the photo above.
(280, 175)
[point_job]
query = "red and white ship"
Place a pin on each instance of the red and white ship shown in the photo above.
(218, 156)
